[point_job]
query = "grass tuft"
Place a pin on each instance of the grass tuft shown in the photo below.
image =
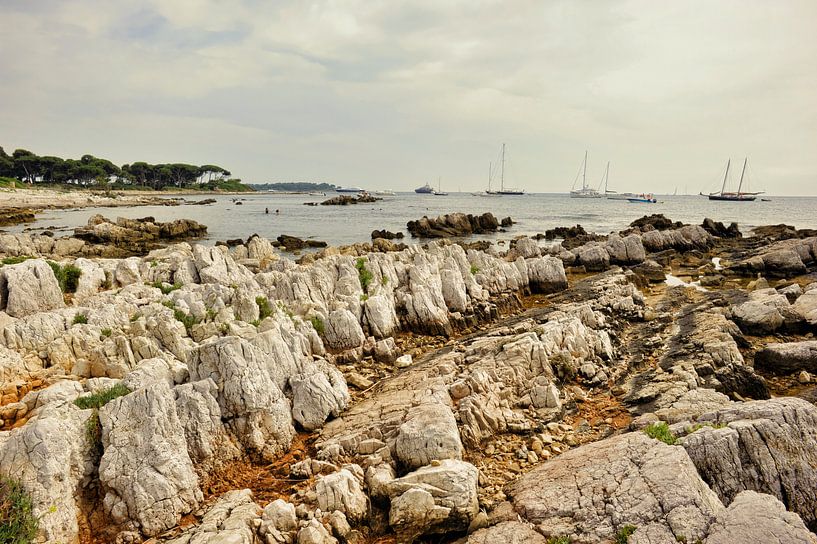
(363, 273)
(660, 431)
(166, 288)
(317, 324)
(16, 260)
(67, 276)
(187, 320)
(102, 397)
(264, 308)
(106, 333)
(18, 524)
(80, 319)
(474, 269)
(624, 534)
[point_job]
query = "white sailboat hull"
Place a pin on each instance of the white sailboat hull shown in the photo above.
(586, 193)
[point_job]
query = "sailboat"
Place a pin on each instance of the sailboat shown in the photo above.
(488, 192)
(439, 191)
(614, 195)
(585, 191)
(734, 197)
(502, 189)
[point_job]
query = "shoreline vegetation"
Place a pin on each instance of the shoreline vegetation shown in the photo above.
(24, 168)
(559, 389)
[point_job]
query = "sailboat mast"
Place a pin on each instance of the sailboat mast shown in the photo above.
(606, 176)
(502, 175)
(490, 171)
(723, 187)
(742, 172)
(584, 171)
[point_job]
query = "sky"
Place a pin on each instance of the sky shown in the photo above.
(392, 94)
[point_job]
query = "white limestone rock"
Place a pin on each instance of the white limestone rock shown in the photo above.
(31, 288)
(429, 433)
(342, 491)
(145, 471)
(251, 402)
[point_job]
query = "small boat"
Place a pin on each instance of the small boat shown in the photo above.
(738, 196)
(349, 190)
(506, 191)
(585, 191)
(425, 189)
(316, 193)
(645, 199)
(488, 191)
(384, 193)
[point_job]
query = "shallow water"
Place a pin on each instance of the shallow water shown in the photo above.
(349, 224)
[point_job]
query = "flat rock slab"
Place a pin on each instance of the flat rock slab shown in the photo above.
(595, 490)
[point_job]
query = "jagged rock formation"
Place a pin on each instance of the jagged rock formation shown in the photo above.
(452, 225)
(236, 360)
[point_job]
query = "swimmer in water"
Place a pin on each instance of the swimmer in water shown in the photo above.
(266, 210)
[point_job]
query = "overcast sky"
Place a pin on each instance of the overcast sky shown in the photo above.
(393, 94)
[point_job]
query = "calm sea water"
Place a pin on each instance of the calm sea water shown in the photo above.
(348, 224)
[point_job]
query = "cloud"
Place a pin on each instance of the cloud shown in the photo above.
(392, 94)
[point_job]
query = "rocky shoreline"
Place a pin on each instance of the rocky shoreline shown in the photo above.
(630, 387)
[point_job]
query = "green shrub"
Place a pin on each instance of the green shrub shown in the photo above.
(660, 431)
(624, 533)
(18, 524)
(80, 319)
(105, 332)
(384, 281)
(363, 274)
(317, 324)
(168, 304)
(187, 320)
(102, 397)
(255, 323)
(364, 297)
(16, 260)
(67, 276)
(135, 317)
(166, 288)
(474, 269)
(264, 307)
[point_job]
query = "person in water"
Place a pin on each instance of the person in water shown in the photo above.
(266, 210)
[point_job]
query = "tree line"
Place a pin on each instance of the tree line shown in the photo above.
(27, 167)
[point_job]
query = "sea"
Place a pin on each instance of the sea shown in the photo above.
(338, 225)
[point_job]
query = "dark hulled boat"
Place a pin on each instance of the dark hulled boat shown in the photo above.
(734, 197)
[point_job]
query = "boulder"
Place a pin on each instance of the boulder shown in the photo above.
(342, 491)
(452, 485)
(314, 399)
(593, 256)
(209, 445)
(755, 518)
(50, 458)
(343, 331)
(430, 433)
(591, 492)
(145, 471)
(453, 225)
(788, 358)
(546, 275)
(30, 287)
(806, 307)
(251, 403)
(767, 446)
